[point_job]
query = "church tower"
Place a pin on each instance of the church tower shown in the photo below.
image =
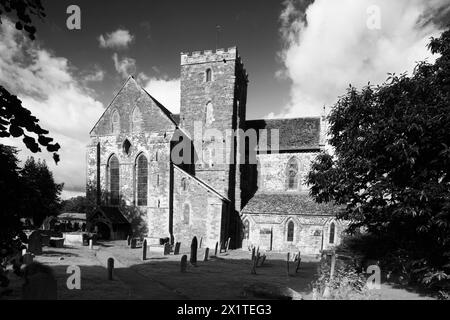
(213, 101)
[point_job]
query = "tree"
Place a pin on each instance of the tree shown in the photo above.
(14, 118)
(42, 195)
(22, 11)
(392, 158)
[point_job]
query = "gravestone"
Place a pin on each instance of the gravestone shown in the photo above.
(27, 258)
(128, 240)
(253, 253)
(166, 248)
(299, 260)
(40, 283)
(177, 248)
(200, 244)
(263, 259)
(35, 243)
(205, 257)
(217, 246)
(91, 246)
(144, 250)
(228, 245)
(183, 263)
(110, 268)
(133, 243)
(287, 263)
(194, 245)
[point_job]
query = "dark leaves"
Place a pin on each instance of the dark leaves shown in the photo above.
(15, 120)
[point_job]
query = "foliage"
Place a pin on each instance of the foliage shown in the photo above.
(347, 283)
(15, 119)
(42, 195)
(77, 204)
(392, 155)
(21, 11)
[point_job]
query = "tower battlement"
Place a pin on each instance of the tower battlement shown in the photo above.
(206, 56)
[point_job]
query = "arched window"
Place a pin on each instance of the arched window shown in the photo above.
(290, 231)
(186, 213)
(126, 146)
(209, 113)
(114, 180)
(184, 184)
(142, 180)
(332, 232)
(208, 75)
(246, 229)
(115, 121)
(292, 174)
(136, 118)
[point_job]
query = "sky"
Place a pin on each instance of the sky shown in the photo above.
(301, 55)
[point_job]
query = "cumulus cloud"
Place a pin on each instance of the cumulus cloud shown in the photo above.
(47, 87)
(125, 66)
(330, 45)
(119, 39)
(167, 91)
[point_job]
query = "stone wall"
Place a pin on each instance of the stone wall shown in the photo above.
(311, 233)
(206, 212)
(272, 170)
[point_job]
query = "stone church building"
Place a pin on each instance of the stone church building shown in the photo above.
(211, 194)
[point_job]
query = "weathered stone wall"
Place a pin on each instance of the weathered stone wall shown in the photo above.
(311, 233)
(150, 137)
(205, 214)
(272, 175)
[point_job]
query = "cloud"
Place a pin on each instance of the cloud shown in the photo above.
(167, 91)
(119, 39)
(329, 46)
(125, 66)
(96, 76)
(47, 87)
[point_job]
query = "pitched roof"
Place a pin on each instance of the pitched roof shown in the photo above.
(130, 78)
(287, 203)
(114, 215)
(294, 134)
(72, 216)
(203, 184)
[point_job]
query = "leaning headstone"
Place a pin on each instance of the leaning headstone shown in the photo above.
(258, 256)
(110, 268)
(144, 251)
(299, 260)
(177, 248)
(40, 283)
(228, 245)
(35, 243)
(206, 256)
(263, 259)
(194, 245)
(27, 258)
(183, 263)
(166, 248)
(217, 247)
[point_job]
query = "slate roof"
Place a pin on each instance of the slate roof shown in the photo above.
(72, 216)
(287, 203)
(114, 215)
(294, 134)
